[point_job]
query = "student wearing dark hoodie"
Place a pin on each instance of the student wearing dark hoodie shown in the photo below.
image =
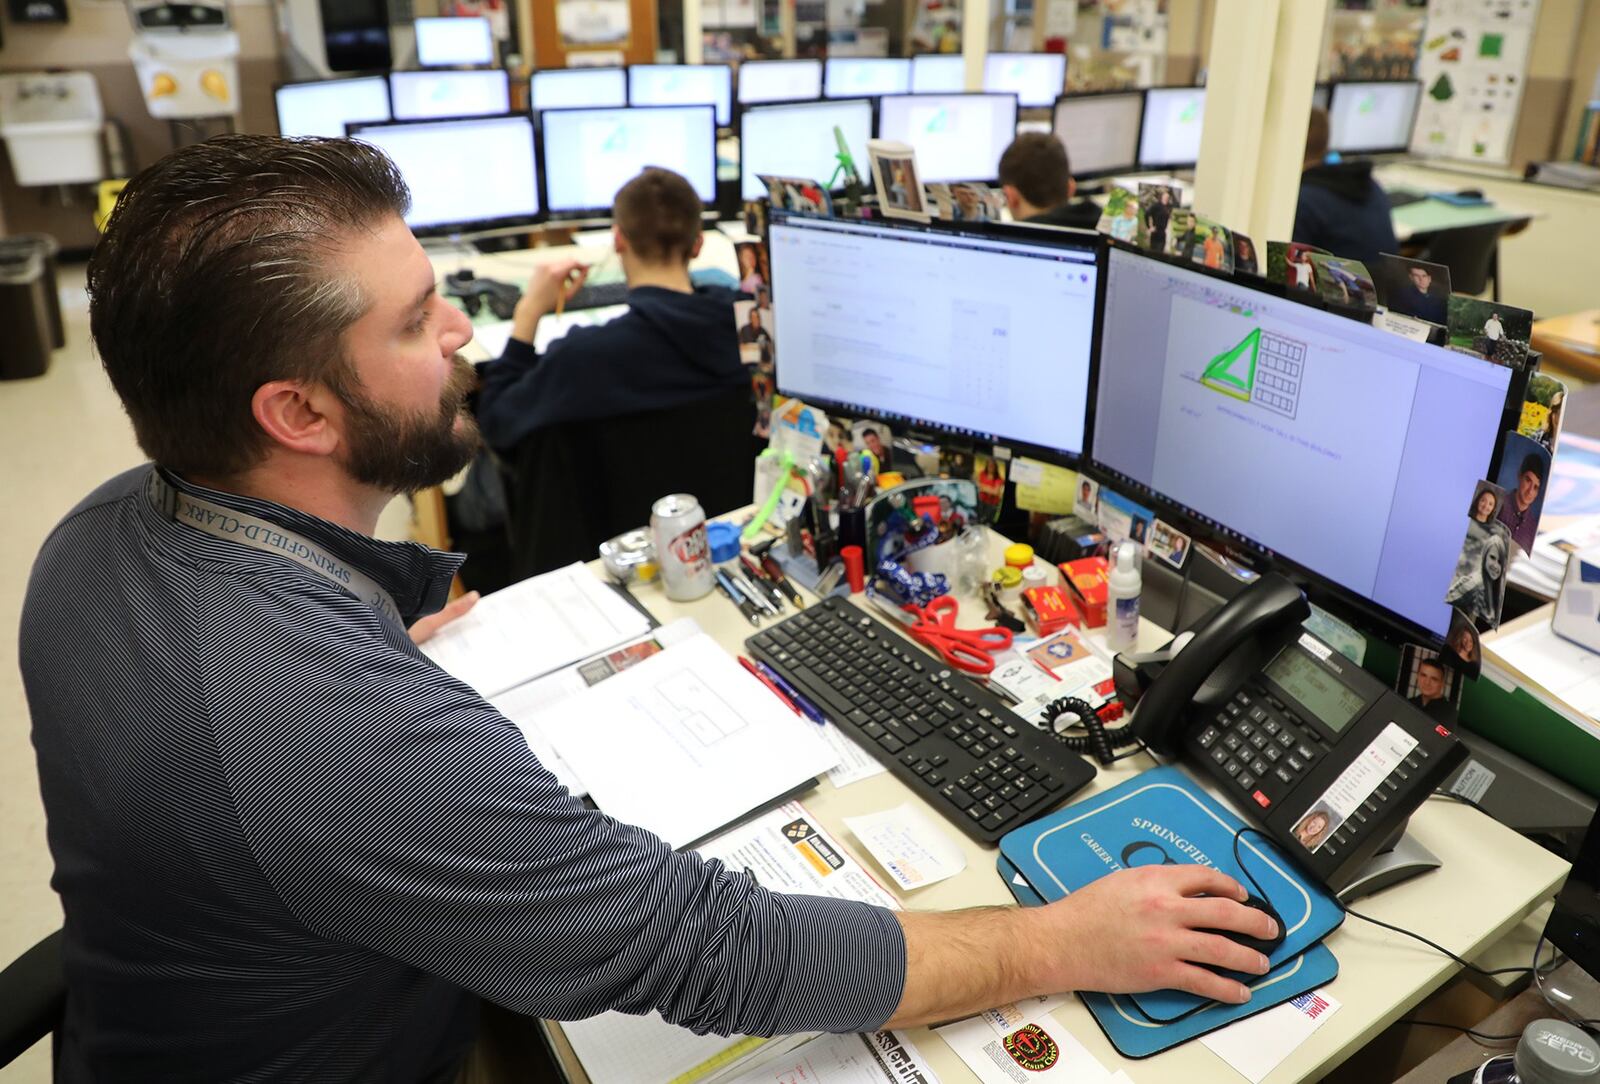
(1342, 209)
(1037, 181)
(675, 345)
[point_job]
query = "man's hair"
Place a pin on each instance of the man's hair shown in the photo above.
(1532, 463)
(1435, 663)
(1036, 165)
(868, 432)
(214, 277)
(1317, 134)
(658, 213)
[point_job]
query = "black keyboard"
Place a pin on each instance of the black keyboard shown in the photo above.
(948, 738)
(599, 295)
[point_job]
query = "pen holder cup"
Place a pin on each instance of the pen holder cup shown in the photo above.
(853, 527)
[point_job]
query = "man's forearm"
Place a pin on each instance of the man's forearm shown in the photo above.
(962, 962)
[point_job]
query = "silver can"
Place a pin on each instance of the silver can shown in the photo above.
(678, 527)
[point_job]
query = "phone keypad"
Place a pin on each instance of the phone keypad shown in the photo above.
(1260, 744)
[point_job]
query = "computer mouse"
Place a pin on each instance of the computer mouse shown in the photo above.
(1263, 946)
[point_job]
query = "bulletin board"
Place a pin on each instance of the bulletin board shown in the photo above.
(1473, 67)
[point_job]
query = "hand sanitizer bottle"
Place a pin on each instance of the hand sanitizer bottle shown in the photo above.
(1122, 597)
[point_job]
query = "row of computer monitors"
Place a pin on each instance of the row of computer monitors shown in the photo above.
(1347, 451)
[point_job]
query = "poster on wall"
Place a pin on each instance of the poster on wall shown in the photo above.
(588, 23)
(1473, 65)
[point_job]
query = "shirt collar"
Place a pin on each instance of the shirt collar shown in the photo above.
(416, 576)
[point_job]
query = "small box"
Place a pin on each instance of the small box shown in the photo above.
(1087, 580)
(1050, 609)
(1577, 616)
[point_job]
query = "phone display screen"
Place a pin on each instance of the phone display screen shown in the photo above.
(1297, 674)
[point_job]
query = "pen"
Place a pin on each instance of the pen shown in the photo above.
(768, 682)
(775, 572)
(762, 581)
(754, 591)
(807, 708)
(734, 596)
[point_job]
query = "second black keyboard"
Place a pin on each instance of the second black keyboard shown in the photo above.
(954, 742)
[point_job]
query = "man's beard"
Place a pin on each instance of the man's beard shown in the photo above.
(403, 452)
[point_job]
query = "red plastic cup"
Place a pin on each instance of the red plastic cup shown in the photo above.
(854, 568)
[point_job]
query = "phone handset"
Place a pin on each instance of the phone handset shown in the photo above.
(1236, 640)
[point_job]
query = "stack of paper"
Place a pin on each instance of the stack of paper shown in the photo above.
(786, 851)
(1562, 675)
(685, 743)
(533, 627)
(1540, 571)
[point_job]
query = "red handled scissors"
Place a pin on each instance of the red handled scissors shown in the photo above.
(972, 650)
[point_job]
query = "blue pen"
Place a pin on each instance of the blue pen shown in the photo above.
(807, 708)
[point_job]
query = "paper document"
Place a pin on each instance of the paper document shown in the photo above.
(883, 1057)
(786, 851)
(531, 628)
(494, 336)
(1258, 1045)
(1040, 1049)
(686, 742)
(855, 763)
(914, 850)
(1568, 672)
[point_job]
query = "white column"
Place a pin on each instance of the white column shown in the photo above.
(693, 46)
(975, 39)
(1262, 70)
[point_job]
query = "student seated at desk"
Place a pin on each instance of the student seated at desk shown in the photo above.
(1037, 181)
(676, 344)
(288, 845)
(1342, 209)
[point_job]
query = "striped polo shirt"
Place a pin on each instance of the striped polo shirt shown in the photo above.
(290, 847)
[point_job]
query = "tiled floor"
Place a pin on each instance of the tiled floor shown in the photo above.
(60, 435)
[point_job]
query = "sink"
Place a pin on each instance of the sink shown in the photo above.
(51, 123)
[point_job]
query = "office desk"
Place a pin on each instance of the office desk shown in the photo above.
(1492, 878)
(1571, 343)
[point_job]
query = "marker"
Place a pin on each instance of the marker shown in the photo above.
(768, 682)
(807, 708)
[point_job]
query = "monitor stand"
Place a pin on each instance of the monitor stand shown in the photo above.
(1405, 859)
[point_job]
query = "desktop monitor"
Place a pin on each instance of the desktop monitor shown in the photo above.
(1037, 79)
(957, 137)
(984, 332)
(1100, 131)
(577, 88)
(865, 77)
(454, 40)
(435, 95)
(590, 153)
(324, 107)
(1349, 452)
(1170, 135)
(779, 81)
(1372, 118)
(476, 172)
(683, 84)
(798, 141)
(938, 73)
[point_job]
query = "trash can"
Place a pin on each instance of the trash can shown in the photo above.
(49, 248)
(24, 313)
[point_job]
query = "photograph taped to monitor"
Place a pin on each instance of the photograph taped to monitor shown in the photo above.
(802, 195)
(1342, 282)
(1210, 244)
(1428, 684)
(1169, 545)
(1156, 204)
(1497, 332)
(1478, 586)
(1463, 648)
(755, 270)
(1245, 260)
(966, 201)
(1525, 476)
(895, 177)
(1414, 288)
(1541, 410)
(1086, 500)
(1121, 218)
(990, 475)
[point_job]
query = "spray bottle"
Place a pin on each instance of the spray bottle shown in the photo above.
(1122, 597)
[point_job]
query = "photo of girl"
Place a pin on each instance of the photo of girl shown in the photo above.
(1478, 586)
(752, 267)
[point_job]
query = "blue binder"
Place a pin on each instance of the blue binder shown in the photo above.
(1162, 816)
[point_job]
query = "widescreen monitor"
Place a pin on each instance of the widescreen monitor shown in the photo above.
(590, 153)
(984, 333)
(957, 137)
(1100, 131)
(1173, 119)
(865, 77)
(1037, 79)
(1372, 118)
(938, 73)
(577, 88)
(779, 81)
(324, 107)
(454, 40)
(1348, 451)
(798, 141)
(683, 84)
(438, 94)
(446, 164)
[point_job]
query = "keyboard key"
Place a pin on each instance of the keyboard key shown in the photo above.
(1219, 755)
(1271, 727)
(979, 792)
(910, 759)
(1295, 763)
(873, 731)
(1232, 767)
(969, 780)
(1260, 767)
(993, 802)
(1246, 780)
(1259, 740)
(976, 812)
(983, 771)
(934, 778)
(1208, 737)
(1231, 743)
(1029, 798)
(922, 767)
(1283, 775)
(998, 819)
(1285, 738)
(1037, 773)
(1273, 754)
(954, 794)
(891, 743)
(938, 760)
(1305, 753)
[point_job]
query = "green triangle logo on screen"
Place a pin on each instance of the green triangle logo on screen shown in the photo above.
(1233, 372)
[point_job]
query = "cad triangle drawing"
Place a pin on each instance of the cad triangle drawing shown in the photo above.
(1233, 372)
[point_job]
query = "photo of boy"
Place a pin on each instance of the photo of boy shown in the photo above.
(753, 273)
(1497, 332)
(1299, 271)
(1414, 288)
(755, 335)
(1524, 473)
(1156, 204)
(1211, 245)
(1120, 219)
(1085, 502)
(1344, 282)
(1244, 255)
(1428, 684)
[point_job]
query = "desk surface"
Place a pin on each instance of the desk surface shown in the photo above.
(1382, 975)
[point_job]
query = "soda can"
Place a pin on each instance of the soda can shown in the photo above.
(678, 526)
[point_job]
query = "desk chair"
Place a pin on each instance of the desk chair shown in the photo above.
(572, 486)
(33, 998)
(1472, 253)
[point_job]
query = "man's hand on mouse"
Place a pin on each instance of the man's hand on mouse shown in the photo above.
(1141, 929)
